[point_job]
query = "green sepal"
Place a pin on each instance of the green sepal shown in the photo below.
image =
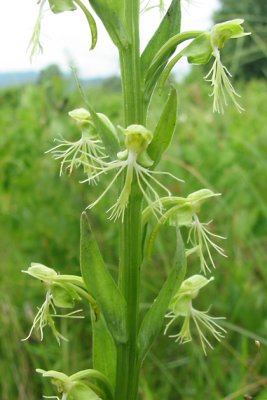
(64, 296)
(169, 26)
(104, 349)
(100, 283)
(111, 13)
(199, 51)
(81, 391)
(165, 128)
(91, 23)
(58, 6)
(153, 319)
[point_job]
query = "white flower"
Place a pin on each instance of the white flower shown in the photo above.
(133, 161)
(87, 152)
(181, 306)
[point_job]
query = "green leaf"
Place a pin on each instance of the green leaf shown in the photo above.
(153, 320)
(100, 283)
(169, 26)
(164, 130)
(111, 13)
(104, 351)
(58, 6)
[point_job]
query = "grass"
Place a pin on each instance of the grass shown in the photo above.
(39, 222)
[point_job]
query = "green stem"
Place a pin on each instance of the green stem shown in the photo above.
(131, 229)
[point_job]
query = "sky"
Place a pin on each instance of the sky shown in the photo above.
(66, 39)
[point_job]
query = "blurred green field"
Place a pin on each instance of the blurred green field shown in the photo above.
(39, 221)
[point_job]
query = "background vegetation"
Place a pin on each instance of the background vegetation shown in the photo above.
(39, 221)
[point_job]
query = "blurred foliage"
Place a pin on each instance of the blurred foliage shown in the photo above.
(39, 221)
(246, 58)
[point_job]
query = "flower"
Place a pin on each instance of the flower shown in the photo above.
(209, 44)
(181, 306)
(87, 152)
(184, 213)
(79, 386)
(58, 294)
(135, 162)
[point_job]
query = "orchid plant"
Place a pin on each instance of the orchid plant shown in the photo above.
(122, 335)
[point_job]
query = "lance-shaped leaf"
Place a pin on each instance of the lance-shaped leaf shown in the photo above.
(104, 351)
(111, 13)
(164, 129)
(58, 6)
(100, 283)
(153, 320)
(169, 26)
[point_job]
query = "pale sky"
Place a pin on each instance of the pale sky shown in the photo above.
(65, 37)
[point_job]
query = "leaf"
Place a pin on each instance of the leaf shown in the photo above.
(58, 6)
(111, 13)
(153, 320)
(100, 283)
(164, 130)
(169, 26)
(103, 350)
